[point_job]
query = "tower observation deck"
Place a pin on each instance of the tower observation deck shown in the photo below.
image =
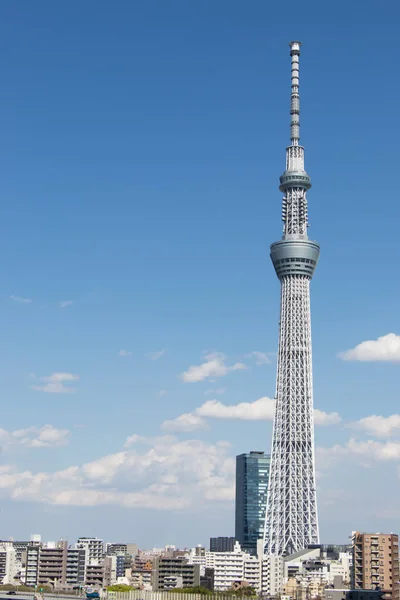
(291, 521)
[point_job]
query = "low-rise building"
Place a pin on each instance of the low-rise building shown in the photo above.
(309, 571)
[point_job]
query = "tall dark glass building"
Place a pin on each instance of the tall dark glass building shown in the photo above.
(252, 472)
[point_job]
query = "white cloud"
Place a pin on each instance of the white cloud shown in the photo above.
(385, 348)
(214, 366)
(124, 353)
(50, 436)
(133, 439)
(162, 393)
(323, 418)
(378, 426)
(57, 383)
(35, 437)
(186, 422)
(104, 468)
(156, 355)
(366, 452)
(163, 474)
(65, 303)
(374, 450)
(261, 358)
(20, 299)
(261, 409)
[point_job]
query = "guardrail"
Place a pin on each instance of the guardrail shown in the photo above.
(168, 595)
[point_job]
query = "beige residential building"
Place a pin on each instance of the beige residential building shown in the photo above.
(376, 562)
(53, 564)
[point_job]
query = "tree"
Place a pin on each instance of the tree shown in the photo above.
(244, 591)
(120, 587)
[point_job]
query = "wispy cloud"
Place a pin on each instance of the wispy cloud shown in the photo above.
(385, 348)
(35, 437)
(162, 393)
(323, 418)
(214, 366)
(124, 353)
(261, 358)
(378, 426)
(133, 439)
(157, 354)
(57, 383)
(185, 423)
(20, 299)
(65, 303)
(262, 409)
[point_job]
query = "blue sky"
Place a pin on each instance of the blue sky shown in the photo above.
(141, 146)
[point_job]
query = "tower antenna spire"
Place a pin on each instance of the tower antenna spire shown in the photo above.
(295, 95)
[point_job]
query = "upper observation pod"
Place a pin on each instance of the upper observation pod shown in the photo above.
(295, 254)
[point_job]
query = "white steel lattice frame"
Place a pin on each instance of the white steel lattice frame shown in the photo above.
(291, 520)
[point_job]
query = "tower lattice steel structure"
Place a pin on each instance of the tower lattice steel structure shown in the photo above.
(291, 521)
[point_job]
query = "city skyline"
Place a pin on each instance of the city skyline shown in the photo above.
(140, 153)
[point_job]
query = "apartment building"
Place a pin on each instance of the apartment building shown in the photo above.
(95, 574)
(272, 575)
(165, 569)
(53, 564)
(141, 573)
(110, 570)
(141, 580)
(76, 563)
(264, 574)
(32, 565)
(115, 548)
(94, 548)
(376, 562)
(229, 567)
(238, 568)
(8, 564)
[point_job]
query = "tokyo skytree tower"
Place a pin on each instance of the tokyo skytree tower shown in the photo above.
(291, 521)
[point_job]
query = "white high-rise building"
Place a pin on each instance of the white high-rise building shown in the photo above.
(272, 570)
(94, 548)
(8, 564)
(264, 574)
